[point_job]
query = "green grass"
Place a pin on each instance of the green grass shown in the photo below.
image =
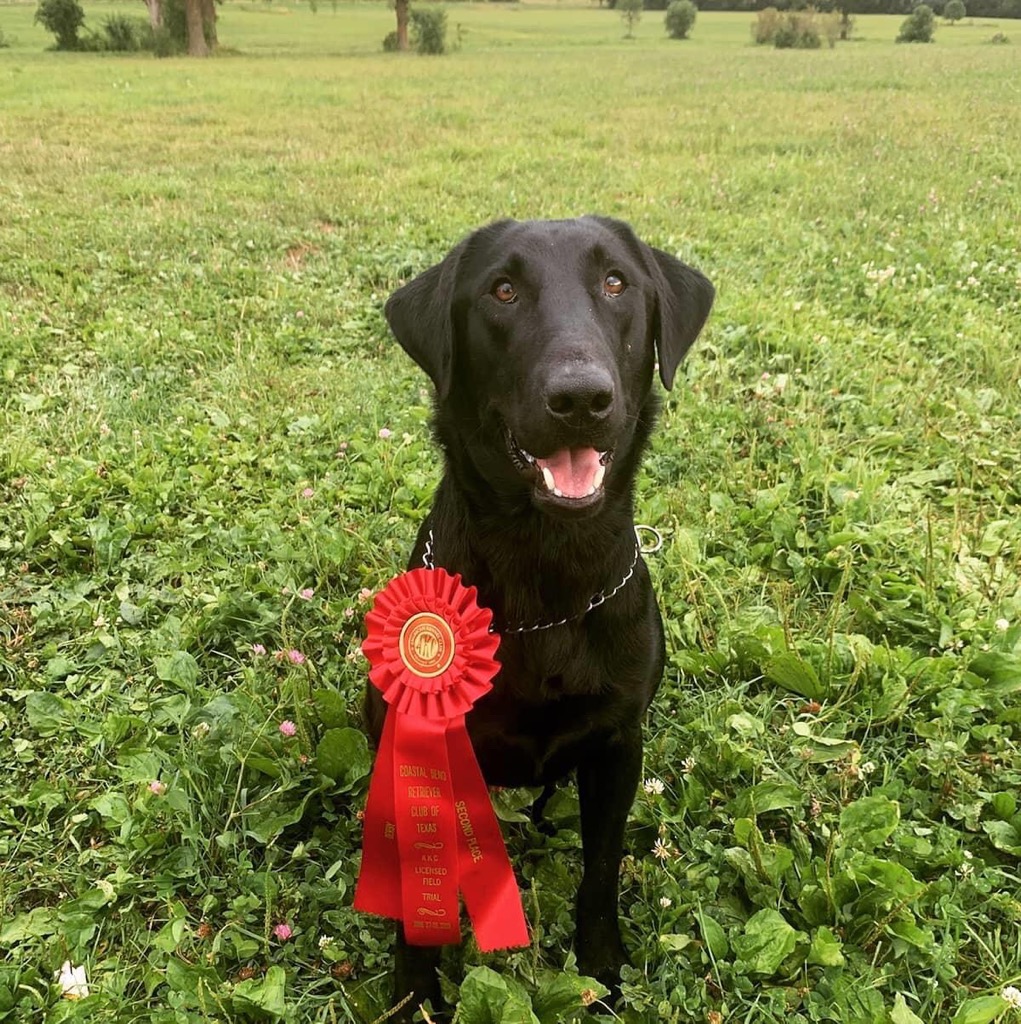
(194, 372)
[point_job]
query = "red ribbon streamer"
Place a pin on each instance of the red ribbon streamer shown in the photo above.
(430, 830)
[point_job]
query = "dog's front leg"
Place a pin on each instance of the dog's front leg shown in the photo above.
(607, 783)
(415, 975)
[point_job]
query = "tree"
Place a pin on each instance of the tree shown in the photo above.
(954, 10)
(155, 9)
(631, 12)
(401, 7)
(197, 45)
(680, 17)
(63, 18)
(918, 26)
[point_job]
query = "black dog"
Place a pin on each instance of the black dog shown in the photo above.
(541, 339)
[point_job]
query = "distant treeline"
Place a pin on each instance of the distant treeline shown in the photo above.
(975, 8)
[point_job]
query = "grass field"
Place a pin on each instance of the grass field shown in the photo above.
(210, 446)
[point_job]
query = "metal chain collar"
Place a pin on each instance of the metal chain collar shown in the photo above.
(428, 560)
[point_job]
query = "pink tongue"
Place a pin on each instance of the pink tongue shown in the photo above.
(573, 469)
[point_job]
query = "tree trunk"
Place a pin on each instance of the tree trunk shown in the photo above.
(402, 24)
(209, 21)
(155, 8)
(196, 37)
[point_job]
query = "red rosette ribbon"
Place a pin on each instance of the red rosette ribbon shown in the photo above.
(430, 830)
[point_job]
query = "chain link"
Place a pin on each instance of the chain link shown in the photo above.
(428, 560)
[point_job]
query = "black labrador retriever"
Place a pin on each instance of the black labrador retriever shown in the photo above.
(541, 339)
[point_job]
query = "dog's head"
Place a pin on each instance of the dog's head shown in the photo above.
(541, 338)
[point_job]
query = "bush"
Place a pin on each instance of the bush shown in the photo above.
(429, 30)
(124, 34)
(954, 10)
(798, 31)
(680, 17)
(802, 30)
(63, 18)
(765, 25)
(1000, 39)
(918, 26)
(390, 42)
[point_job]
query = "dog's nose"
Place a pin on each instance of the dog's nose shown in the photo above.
(580, 396)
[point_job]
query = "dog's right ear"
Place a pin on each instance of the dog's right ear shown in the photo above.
(419, 314)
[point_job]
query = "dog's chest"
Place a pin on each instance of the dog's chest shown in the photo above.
(555, 701)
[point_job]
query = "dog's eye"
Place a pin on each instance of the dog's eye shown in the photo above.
(504, 291)
(613, 284)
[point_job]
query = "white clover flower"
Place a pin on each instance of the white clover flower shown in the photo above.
(868, 768)
(1002, 625)
(665, 901)
(325, 940)
(653, 787)
(688, 765)
(1012, 995)
(662, 849)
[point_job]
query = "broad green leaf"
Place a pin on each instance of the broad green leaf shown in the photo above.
(332, 709)
(483, 997)
(765, 797)
(675, 942)
(518, 1008)
(113, 807)
(869, 821)
(825, 949)
(794, 674)
(982, 1010)
(47, 713)
(36, 924)
(713, 936)
(902, 1014)
(511, 804)
(1003, 836)
(179, 668)
(1001, 670)
(766, 942)
(746, 725)
(886, 874)
(560, 995)
(263, 995)
(821, 749)
(265, 823)
(343, 756)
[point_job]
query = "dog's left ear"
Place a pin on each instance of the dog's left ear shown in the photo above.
(684, 297)
(419, 314)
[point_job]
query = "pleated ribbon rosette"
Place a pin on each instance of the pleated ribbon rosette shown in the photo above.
(430, 830)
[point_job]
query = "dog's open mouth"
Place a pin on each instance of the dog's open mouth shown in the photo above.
(572, 475)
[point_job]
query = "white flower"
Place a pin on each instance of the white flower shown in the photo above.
(654, 786)
(325, 940)
(1002, 625)
(665, 901)
(1012, 995)
(868, 768)
(662, 849)
(688, 765)
(72, 981)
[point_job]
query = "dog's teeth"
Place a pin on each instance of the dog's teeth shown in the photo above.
(597, 480)
(591, 491)
(557, 493)
(547, 476)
